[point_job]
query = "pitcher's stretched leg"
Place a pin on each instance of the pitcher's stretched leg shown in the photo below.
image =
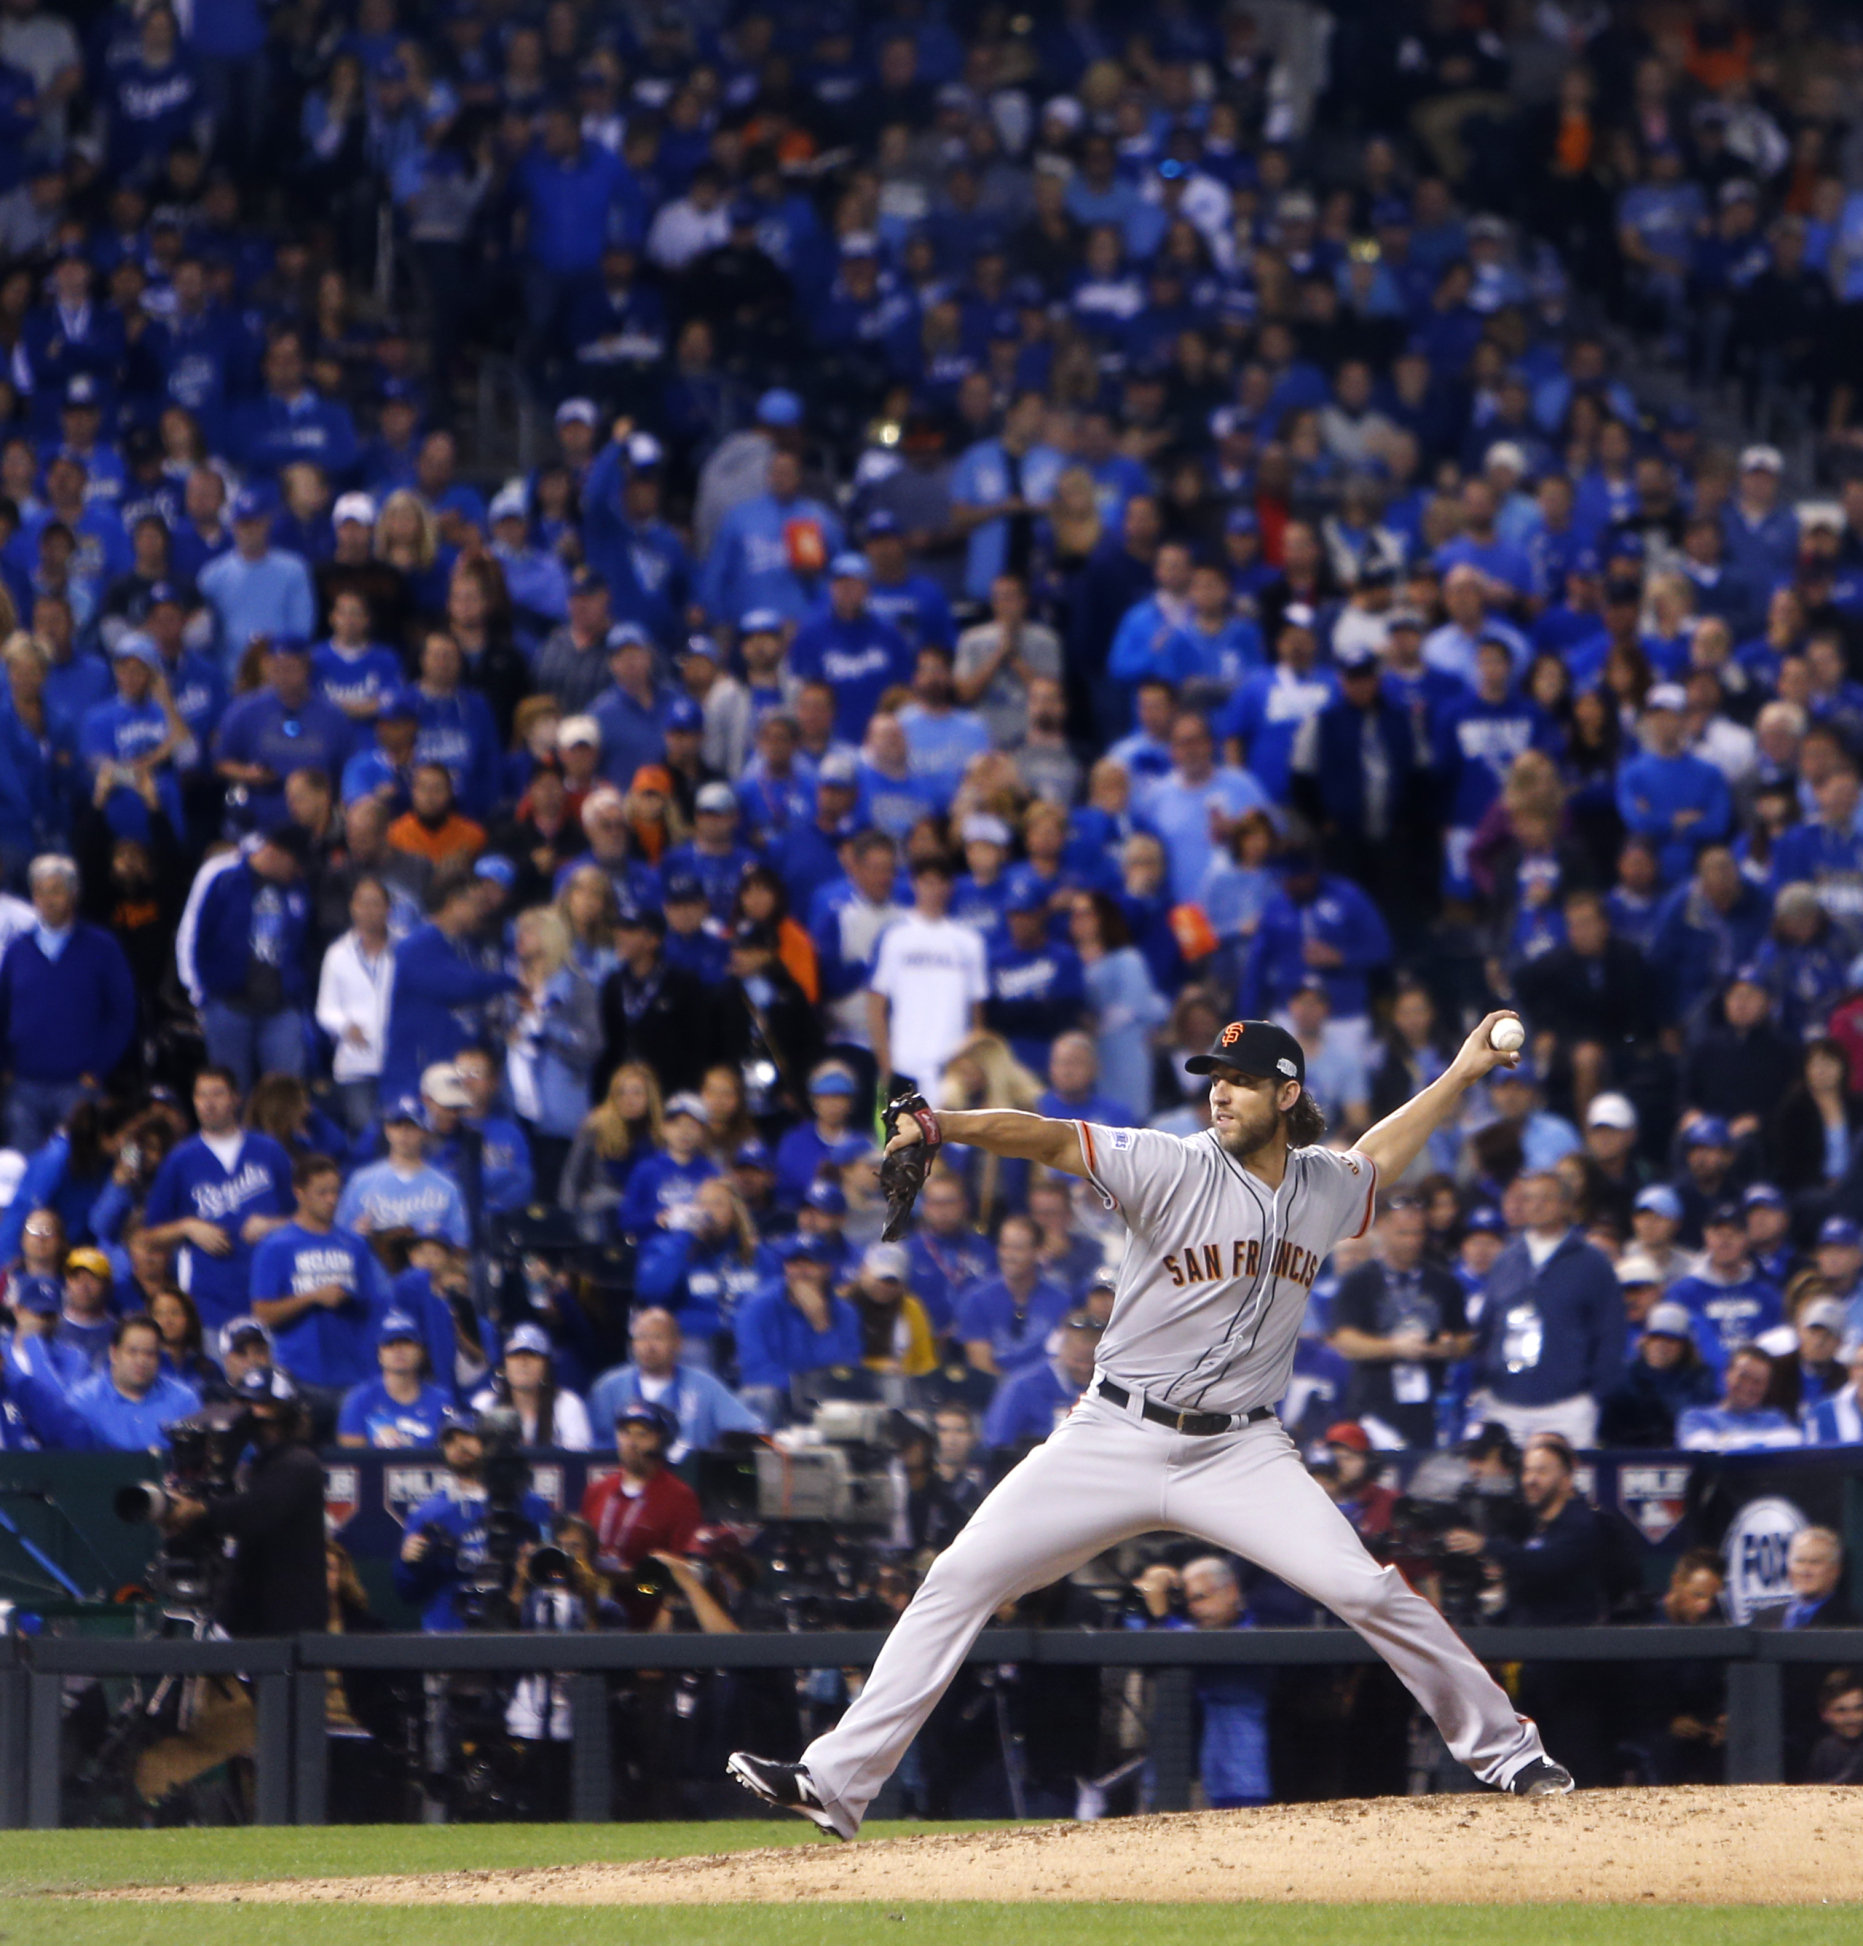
(1252, 1495)
(1096, 1481)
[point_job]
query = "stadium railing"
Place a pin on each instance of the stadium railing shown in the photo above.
(288, 1680)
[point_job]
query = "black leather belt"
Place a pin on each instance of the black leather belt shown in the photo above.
(1201, 1425)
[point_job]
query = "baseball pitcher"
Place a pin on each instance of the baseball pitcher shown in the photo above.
(1229, 1228)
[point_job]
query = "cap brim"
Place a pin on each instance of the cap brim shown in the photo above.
(1209, 1063)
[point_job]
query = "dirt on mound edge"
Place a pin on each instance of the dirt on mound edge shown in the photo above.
(1762, 1845)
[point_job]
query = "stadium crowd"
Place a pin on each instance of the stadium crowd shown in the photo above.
(1057, 533)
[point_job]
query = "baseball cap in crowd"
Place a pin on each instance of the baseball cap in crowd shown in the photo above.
(703, 645)
(839, 769)
(1660, 1200)
(885, 1260)
(802, 1249)
(682, 888)
(849, 566)
(1356, 658)
(779, 407)
(642, 918)
(577, 412)
(1726, 1215)
(1078, 1321)
(1637, 1267)
(687, 1103)
(1611, 1111)
(404, 1108)
(510, 502)
(441, 1085)
(1824, 1313)
(760, 621)
(1411, 618)
(497, 868)
(1839, 1230)
(1253, 1047)
(399, 1324)
(716, 798)
(529, 1337)
(625, 633)
(1349, 1433)
(644, 1412)
(1023, 891)
(266, 1385)
(1485, 1217)
(242, 1331)
(162, 593)
(981, 828)
(1242, 520)
(1523, 1074)
(1668, 1321)
(573, 730)
(1298, 615)
(881, 522)
(134, 646)
(1762, 1195)
(644, 452)
(82, 390)
(682, 713)
(590, 581)
(752, 1153)
(831, 1078)
(357, 509)
(1762, 459)
(825, 1197)
(1666, 695)
(252, 503)
(1710, 1132)
(398, 706)
(88, 1257)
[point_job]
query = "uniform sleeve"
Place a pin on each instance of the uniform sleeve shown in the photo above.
(1136, 1170)
(1346, 1187)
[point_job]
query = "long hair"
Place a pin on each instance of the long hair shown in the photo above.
(1306, 1122)
(607, 1124)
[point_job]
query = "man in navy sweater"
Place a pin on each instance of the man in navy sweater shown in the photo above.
(1551, 1339)
(440, 987)
(242, 952)
(67, 1008)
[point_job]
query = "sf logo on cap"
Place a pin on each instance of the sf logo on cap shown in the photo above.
(1232, 1033)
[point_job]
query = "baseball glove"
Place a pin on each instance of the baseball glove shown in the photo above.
(903, 1172)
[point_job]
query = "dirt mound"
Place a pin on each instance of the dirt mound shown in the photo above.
(1756, 1845)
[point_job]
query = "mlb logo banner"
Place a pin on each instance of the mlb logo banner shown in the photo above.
(342, 1486)
(405, 1487)
(1653, 1499)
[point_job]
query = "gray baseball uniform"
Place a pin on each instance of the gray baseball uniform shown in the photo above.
(1205, 1318)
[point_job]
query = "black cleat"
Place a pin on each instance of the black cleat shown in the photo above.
(790, 1788)
(1541, 1778)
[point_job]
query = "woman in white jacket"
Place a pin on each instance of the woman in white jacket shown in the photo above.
(352, 1000)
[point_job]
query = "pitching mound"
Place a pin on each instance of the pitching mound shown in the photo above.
(1758, 1845)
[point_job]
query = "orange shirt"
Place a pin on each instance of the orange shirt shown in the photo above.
(457, 838)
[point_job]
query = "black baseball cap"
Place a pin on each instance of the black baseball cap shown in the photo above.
(1253, 1047)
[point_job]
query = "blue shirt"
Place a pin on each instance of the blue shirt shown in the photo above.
(659, 1184)
(1180, 814)
(862, 659)
(270, 596)
(1028, 1406)
(1017, 1334)
(358, 680)
(426, 1201)
(322, 1346)
(368, 1412)
(259, 729)
(192, 1182)
(125, 1425)
(981, 478)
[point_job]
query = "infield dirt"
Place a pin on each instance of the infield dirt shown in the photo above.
(1761, 1845)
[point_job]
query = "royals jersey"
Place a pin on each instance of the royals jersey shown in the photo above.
(1214, 1283)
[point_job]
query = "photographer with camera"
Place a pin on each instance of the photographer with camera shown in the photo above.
(459, 1561)
(272, 1512)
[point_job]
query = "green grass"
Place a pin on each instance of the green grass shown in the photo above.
(87, 1923)
(35, 1863)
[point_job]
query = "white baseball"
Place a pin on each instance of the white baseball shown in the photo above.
(1507, 1035)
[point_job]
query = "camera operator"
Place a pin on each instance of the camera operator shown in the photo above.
(1555, 1578)
(447, 1550)
(274, 1517)
(643, 1509)
(1233, 1751)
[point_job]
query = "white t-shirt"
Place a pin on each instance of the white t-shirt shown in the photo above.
(932, 972)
